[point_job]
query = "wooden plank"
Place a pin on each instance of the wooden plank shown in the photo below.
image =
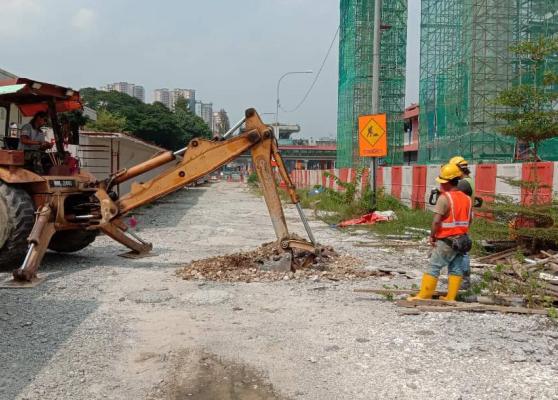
(395, 291)
(444, 306)
(496, 256)
(475, 264)
(388, 245)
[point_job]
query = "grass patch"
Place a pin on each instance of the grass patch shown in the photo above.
(334, 207)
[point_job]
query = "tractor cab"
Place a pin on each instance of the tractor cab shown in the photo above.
(22, 99)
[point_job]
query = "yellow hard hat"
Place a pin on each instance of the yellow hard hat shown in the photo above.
(459, 161)
(448, 172)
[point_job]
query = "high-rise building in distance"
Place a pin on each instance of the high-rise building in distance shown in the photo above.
(162, 96)
(170, 97)
(205, 111)
(221, 122)
(188, 94)
(130, 89)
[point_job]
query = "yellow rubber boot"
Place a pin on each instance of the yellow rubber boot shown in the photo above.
(454, 283)
(427, 288)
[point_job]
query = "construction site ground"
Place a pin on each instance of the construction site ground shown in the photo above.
(106, 327)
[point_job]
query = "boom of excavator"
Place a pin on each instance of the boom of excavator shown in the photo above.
(200, 158)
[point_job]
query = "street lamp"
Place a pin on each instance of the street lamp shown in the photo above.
(277, 102)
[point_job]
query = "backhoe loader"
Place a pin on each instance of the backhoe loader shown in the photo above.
(64, 210)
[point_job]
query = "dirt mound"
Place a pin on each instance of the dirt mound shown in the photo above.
(269, 263)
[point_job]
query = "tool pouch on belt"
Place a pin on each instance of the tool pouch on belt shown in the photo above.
(461, 244)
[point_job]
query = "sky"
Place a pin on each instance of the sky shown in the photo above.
(231, 52)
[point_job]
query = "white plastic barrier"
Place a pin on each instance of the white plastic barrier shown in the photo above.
(314, 178)
(508, 171)
(555, 179)
(406, 185)
(387, 180)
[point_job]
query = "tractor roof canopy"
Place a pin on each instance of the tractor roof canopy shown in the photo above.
(32, 96)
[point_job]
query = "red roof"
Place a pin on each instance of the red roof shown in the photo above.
(34, 96)
(411, 111)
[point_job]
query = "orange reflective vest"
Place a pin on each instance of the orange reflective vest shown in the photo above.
(459, 216)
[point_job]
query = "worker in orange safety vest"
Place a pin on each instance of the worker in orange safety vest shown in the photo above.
(448, 235)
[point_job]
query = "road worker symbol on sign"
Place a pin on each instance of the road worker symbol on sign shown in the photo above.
(372, 137)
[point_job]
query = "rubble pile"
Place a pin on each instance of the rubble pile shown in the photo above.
(534, 278)
(269, 263)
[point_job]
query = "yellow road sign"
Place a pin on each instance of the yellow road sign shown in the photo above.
(372, 137)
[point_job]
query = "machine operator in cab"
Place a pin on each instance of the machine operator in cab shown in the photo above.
(33, 142)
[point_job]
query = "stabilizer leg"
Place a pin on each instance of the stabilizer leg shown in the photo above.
(38, 240)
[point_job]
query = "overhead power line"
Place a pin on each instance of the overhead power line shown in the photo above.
(316, 77)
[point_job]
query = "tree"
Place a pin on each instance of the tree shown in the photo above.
(191, 124)
(107, 122)
(76, 120)
(152, 122)
(156, 123)
(531, 106)
(532, 116)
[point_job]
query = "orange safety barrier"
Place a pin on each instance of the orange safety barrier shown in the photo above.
(343, 176)
(352, 174)
(379, 177)
(364, 180)
(541, 173)
(396, 178)
(485, 185)
(419, 187)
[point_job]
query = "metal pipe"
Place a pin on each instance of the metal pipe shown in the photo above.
(27, 256)
(230, 131)
(234, 128)
(305, 223)
(89, 216)
(376, 85)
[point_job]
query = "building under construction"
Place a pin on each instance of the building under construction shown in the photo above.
(355, 75)
(465, 62)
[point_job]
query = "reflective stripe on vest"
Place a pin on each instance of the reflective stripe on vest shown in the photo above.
(458, 219)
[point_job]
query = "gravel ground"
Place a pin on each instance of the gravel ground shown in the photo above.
(102, 326)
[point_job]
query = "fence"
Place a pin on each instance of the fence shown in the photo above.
(412, 184)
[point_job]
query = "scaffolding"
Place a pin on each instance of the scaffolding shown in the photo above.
(465, 62)
(355, 75)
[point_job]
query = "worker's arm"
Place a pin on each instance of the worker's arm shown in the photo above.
(465, 187)
(26, 140)
(436, 225)
(440, 211)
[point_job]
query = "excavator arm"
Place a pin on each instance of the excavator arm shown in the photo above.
(201, 158)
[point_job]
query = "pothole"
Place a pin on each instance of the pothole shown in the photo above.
(202, 376)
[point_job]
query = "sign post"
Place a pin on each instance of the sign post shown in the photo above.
(372, 142)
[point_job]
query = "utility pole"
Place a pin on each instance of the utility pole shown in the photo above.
(376, 86)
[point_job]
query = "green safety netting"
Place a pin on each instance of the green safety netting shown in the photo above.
(355, 75)
(465, 61)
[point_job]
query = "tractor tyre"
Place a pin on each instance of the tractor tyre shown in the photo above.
(17, 217)
(72, 240)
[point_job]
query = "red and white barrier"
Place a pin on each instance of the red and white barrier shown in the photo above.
(413, 184)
